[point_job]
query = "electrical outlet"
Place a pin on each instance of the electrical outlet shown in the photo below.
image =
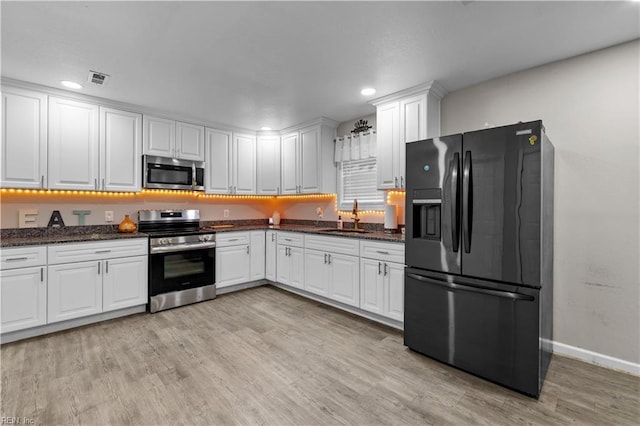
(108, 216)
(225, 213)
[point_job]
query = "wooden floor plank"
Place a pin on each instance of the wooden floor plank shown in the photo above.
(266, 356)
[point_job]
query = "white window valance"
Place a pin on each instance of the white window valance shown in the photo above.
(355, 147)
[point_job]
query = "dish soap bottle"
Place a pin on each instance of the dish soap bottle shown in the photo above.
(339, 222)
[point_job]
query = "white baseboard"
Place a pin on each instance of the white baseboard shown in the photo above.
(596, 358)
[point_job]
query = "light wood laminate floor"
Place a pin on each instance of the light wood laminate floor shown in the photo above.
(265, 356)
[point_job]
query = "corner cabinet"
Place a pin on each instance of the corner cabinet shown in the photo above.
(407, 116)
(307, 164)
(268, 164)
(169, 138)
(24, 139)
(240, 257)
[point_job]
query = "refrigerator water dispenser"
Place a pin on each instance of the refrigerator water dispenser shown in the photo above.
(427, 205)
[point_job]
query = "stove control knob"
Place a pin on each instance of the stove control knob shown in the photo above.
(204, 238)
(163, 241)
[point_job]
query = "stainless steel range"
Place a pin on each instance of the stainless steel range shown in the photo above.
(181, 258)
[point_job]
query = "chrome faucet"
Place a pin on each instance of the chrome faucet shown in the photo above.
(356, 220)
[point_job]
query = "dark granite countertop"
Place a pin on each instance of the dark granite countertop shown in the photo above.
(69, 234)
(74, 234)
(372, 234)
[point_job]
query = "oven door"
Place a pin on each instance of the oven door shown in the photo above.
(181, 270)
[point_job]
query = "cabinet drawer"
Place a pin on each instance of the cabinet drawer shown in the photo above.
(348, 246)
(23, 257)
(390, 252)
(227, 239)
(291, 239)
(80, 252)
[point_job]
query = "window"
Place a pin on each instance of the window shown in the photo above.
(357, 179)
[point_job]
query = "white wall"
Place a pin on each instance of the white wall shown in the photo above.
(590, 107)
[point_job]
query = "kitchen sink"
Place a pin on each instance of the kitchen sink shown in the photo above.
(349, 230)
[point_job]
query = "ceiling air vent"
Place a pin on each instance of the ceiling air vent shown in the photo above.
(98, 78)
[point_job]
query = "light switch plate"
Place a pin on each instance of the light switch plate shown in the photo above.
(108, 216)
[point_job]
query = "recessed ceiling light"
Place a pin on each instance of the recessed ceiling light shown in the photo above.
(368, 91)
(265, 128)
(70, 84)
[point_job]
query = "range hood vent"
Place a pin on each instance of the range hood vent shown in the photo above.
(98, 78)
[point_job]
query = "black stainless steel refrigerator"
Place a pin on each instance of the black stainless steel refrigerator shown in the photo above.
(479, 253)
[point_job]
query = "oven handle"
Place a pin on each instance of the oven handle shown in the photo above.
(182, 247)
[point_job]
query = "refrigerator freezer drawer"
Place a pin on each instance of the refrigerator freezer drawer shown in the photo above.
(491, 332)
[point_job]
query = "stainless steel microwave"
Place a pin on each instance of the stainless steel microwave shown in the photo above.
(171, 173)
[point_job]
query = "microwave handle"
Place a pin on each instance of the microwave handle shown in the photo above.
(194, 176)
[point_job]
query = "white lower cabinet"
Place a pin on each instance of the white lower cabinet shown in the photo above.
(382, 279)
(290, 265)
(23, 288)
(75, 290)
(270, 257)
(316, 274)
(240, 257)
(332, 268)
(23, 294)
(112, 275)
(232, 265)
(124, 283)
(257, 254)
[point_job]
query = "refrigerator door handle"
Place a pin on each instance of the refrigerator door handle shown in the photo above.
(467, 202)
(455, 206)
(461, 287)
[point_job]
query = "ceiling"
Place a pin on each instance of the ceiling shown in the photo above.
(277, 64)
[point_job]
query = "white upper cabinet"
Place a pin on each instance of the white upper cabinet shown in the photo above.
(120, 150)
(230, 162)
(168, 138)
(289, 163)
(159, 136)
(73, 144)
(243, 166)
(310, 168)
(407, 116)
(24, 139)
(307, 164)
(268, 164)
(189, 141)
(388, 137)
(218, 148)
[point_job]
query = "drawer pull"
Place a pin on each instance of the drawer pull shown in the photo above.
(102, 251)
(13, 259)
(233, 239)
(382, 252)
(287, 239)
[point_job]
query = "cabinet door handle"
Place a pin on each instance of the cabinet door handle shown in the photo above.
(103, 251)
(329, 260)
(325, 258)
(41, 274)
(401, 181)
(395, 182)
(98, 268)
(95, 183)
(385, 269)
(13, 259)
(42, 181)
(103, 185)
(278, 190)
(106, 267)
(247, 249)
(273, 237)
(379, 268)
(382, 252)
